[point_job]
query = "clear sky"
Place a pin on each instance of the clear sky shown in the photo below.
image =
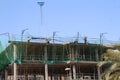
(65, 17)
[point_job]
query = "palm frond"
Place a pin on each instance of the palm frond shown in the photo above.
(112, 58)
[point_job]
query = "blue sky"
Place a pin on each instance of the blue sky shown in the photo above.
(65, 17)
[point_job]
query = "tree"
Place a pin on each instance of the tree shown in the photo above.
(111, 59)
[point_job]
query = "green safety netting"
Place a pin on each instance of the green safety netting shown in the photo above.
(3, 58)
(34, 49)
(4, 61)
(1, 48)
(9, 51)
(6, 56)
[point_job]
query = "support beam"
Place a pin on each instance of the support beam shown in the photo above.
(99, 75)
(74, 72)
(46, 65)
(46, 71)
(70, 74)
(15, 64)
(15, 70)
(6, 74)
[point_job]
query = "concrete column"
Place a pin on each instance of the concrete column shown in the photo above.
(99, 75)
(15, 64)
(46, 71)
(15, 71)
(6, 75)
(70, 74)
(94, 76)
(46, 65)
(74, 72)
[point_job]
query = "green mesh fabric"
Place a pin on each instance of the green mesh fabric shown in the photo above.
(35, 52)
(1, 48)
(3, 58)
(4, 62)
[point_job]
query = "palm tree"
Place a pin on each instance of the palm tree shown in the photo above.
(111, 59)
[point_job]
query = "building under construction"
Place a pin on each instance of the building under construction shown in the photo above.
(30, 60)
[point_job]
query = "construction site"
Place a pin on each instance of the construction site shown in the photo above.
(34, 59)
(41, 58)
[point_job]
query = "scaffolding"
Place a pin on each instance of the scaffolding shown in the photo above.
(29, 51)
(57, 56)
